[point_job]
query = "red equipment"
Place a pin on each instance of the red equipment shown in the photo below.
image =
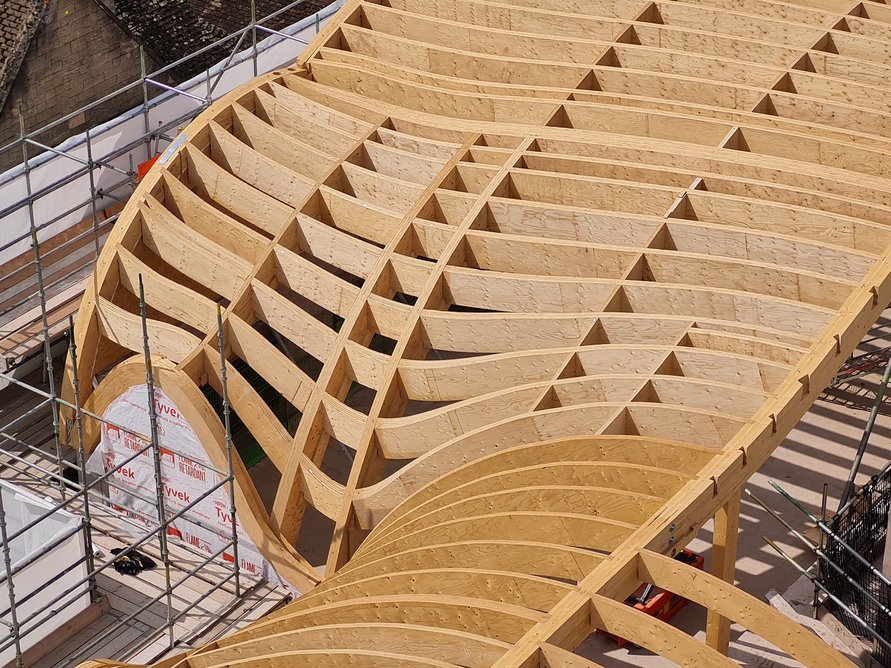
(661, 604)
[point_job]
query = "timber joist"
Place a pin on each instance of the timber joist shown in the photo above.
(544, 281)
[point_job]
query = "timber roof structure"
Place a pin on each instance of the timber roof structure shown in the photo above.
(591, 260)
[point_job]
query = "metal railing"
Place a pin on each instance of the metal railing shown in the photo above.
(89, 499)
(109, 176)
(100, 178)
(861, 526)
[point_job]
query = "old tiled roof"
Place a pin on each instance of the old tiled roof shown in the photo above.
(172, 29)
(19, 20)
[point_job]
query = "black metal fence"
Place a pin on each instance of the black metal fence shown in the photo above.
(863, 524)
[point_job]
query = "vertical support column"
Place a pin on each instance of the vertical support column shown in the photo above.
(143, 77)
(95, 212)
(726, 531)
(254, 34)
(821, 544)
(156, 457)
(227, 422)
(82, 468)
(44, 316)
(886, 560)
(14, 629)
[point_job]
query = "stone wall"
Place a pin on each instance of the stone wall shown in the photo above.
(78, 55)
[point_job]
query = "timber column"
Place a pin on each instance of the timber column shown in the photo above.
(726, 531)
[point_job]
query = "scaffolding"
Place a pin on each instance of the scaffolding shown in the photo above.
(99, 174)
(861, 527)
(38, 297)
(85, 495)
(845, 578)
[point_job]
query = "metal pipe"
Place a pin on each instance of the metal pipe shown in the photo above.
(143, 78)
(823, 504)
(47, 346)
(10, 588)
(848, 491)
(81, 463)
(5, 438)
(32, 448)
(221, 343)
(226, 64)
(829, 532)
(132, 178)
(156, 457)
(254, 34)
(34, 421)
(832, 597)
(25, 415)
(270, 31)
(93, 209)
(70, 156)
(61, 154)
(178, 91)
(821, 557)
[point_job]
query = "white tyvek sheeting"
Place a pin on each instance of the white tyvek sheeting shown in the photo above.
(185, 476)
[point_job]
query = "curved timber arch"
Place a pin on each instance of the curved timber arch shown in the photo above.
(581, 263)
(201, 418)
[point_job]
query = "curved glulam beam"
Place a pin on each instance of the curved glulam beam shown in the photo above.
(715, 594)
(558, 275)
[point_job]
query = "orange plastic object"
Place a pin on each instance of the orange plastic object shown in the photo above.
(661, 604)
(143, 167)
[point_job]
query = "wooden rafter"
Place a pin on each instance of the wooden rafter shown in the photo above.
(558, 275)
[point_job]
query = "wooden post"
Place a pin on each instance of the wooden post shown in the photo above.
(726, 531)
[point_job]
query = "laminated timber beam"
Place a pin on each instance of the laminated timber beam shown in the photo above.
(725, 532)
(557, 275)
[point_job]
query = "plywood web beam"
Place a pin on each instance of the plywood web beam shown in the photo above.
(633, 237)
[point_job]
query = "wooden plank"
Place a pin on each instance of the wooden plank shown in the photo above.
(589, 260)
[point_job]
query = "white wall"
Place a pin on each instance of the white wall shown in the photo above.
(22, 507)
